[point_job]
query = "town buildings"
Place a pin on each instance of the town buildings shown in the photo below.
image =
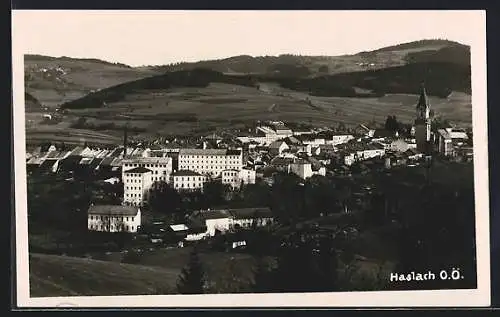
(113, 218)
(235, 178)
(161, 167)
(305, 169)
(450, 140)
(210, 162)
(222, 220)
(186, 180)
(136, 185)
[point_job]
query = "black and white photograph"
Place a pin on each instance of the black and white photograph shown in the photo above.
(250, 158)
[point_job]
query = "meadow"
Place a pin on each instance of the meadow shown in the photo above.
(219, 105)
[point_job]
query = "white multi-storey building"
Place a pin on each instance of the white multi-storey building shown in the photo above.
(185, 180)
(161, 167)
(136, 184)
(210, 162)
(113, 218)
(247, 176)
(235, 178)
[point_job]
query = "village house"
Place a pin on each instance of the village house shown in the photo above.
(215, 220)
(227, 219)
(305, 169)
(281, 163)
(450, 139)
(354, 152)
(333, 138)
(250, 217)
(277, 147)
(311, 139)
(113, 218)
(186, 180)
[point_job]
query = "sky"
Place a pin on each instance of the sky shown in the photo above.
(161, 37)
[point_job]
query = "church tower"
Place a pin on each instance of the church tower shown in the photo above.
(423, 122)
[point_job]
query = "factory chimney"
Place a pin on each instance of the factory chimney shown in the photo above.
(125, 141)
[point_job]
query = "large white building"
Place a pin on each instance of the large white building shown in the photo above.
(235, 178)
(210, 162)
(161, 167)
(113, 218)
(186, 180)
(136, 185)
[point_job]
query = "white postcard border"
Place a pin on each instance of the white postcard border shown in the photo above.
(449, 298)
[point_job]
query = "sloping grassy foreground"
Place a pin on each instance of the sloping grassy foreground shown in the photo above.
(52, 275)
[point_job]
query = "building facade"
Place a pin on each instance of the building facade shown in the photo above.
(235, 178)
(210, 162)
(136, 185)
(186, 180)
(161, 167)
(305, 170)
(113, 218)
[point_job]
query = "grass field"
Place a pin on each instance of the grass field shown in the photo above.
(81, 76)
(220, 105)
(52, 275)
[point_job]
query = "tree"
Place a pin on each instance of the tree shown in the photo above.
(213, 193)
(163, 198)
(391, 124)
(192, 278)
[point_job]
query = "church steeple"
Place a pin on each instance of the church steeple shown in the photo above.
(423, 122)
(423, 105)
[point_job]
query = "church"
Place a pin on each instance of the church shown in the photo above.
(423, 123)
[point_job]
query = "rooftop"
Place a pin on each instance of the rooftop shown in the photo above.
(249, 213)
(179, 227)
(148, 160)
(138, 170)
(202, 152)
(211, 214)
(113, 210)
(185, 173)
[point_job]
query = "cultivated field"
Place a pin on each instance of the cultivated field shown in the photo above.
(183, 110)
(79, 77)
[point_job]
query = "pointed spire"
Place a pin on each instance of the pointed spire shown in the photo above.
(423, 101)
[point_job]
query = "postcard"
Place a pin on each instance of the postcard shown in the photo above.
(251, 159)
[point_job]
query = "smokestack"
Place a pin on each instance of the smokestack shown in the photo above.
(125, 142)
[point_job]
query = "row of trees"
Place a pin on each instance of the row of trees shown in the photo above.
(435, 231)
(289, 197)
